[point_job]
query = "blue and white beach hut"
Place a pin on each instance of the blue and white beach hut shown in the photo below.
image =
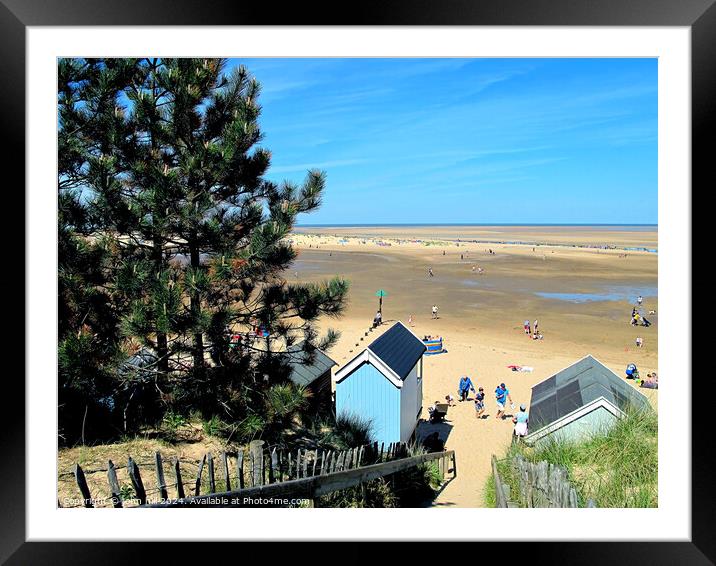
(384, 384)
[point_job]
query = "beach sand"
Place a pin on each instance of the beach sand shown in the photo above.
(481, 315)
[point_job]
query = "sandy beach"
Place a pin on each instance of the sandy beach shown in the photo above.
(579, 282)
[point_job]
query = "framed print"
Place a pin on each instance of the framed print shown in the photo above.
(362, 270)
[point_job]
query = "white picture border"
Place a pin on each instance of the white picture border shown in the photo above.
(671, 521)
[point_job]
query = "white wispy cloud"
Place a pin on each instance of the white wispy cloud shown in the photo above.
(323, 165)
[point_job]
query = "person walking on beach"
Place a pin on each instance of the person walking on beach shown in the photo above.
(479, 403)
(430, 272)
(502, 394)
(639, 300)
(639, 342)
(464, 387)
(410, 320)
(521, 419)
(535, 327)
(435, 311)
(528, 331)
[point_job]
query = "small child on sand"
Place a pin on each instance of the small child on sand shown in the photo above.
(450, 400)
(480, 403)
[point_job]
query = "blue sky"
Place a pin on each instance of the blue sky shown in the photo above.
(466, 140)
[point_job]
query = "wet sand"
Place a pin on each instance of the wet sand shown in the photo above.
(582, 297)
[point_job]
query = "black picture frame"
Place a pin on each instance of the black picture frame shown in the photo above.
(699, 15)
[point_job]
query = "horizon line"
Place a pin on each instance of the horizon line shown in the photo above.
(379, 224)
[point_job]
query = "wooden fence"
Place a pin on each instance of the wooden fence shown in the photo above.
(309, 488)
(254, 468)
(541, 484)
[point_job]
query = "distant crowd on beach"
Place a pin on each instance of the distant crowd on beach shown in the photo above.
(532, 331)
(638, 319)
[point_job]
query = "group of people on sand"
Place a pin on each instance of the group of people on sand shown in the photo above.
(502, 397)
(532, 331)
(651, 381)
(638, 319)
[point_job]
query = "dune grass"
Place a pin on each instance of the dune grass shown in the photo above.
(488, 492)
(616, 467)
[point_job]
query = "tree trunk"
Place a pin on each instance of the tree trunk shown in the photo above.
(162, 341)
(198, 338)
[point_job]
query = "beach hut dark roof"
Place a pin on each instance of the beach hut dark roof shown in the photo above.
(303, 372)
(399, 349)
(576, 386)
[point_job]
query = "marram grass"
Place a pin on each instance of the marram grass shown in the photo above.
(616, 467)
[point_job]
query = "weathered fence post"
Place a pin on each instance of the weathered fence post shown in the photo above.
(305, 463)
(212, 481)
(257, 453)
(347, 459)
(266, 471)
(197, 488)
(315, 462)
(136, 479)
(177, 475)
(82, 484)
(113, 484)
(227, 477)
(240, 468)
(500, 499)
(161, 483)
(273, 470)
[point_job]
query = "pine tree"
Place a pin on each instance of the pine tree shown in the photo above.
(170, 155)
(89, 349)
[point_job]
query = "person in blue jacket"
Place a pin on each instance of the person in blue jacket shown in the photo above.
(464, 388)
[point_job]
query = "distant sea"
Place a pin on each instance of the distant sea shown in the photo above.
(625, 227)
